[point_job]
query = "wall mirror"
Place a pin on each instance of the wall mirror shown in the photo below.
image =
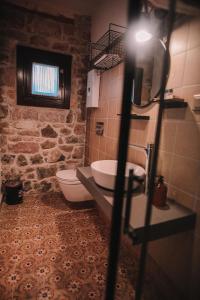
(149, 65)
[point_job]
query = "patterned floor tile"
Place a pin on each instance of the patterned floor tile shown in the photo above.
(54, 250)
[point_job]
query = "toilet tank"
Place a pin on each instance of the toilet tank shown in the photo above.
(93, 84)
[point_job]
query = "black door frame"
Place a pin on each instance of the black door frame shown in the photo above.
(134, 10)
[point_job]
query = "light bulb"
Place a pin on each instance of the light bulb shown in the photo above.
(142, 36)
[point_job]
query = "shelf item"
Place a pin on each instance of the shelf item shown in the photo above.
(172, 103)
(109, 50)
(175, 103)
(137, 117)
(164, 223)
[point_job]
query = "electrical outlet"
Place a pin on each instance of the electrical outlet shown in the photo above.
(99, 128)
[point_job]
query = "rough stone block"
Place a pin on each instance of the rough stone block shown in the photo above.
(65, 131)
(44, 27)
(7, 131)
(16, 114)
(29, 132)
(4, 58)
(3, 140)
(25, 124)
(49, 117)
(54, 156)
(22, 161)
(11, 93)
(72, 139)
(24, 147)
(3, 111)
(14, 138)
(68, 30)
(28, 170)
(7, 76)
(29, 114)
(39, 41)
(27, 186)
(7, 159)
(48, 144)
(31, 176)
(79, 129)
(15, 35)
(43, 186)
(60, 140)
(44, 172)
(78, 152)
(66, 148)
(61, 46)
(36, 159)
(70, 117)
(48, 131)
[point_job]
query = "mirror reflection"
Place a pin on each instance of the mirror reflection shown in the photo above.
(149, 64)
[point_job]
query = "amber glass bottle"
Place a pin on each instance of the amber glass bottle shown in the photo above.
(160, 193)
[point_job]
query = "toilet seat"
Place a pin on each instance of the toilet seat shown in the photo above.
(68, 176)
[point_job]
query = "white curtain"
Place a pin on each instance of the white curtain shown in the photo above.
(45, 80)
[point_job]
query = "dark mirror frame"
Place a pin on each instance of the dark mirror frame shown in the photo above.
(25, 57)
(158, 93)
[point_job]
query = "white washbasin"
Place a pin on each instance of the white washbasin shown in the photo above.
(104, 172)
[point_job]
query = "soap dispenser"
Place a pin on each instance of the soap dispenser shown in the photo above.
(160, 193)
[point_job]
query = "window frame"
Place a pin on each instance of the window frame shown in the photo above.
(26, 56)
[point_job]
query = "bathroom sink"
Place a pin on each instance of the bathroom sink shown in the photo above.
(104, 173)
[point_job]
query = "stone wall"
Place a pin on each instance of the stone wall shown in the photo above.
(36, 142)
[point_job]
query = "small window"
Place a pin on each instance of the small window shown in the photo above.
(43, 78)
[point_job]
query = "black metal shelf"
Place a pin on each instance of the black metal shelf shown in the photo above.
(196, 110)
(109, 50)
(138, 117)
(175, 103)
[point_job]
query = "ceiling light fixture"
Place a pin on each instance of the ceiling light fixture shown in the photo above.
(142, 36)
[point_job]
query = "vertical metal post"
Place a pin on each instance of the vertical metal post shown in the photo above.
(114, 247)
(142, 262)
(128, 201)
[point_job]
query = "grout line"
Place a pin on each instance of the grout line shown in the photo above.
(183, 191)
(181, 156)
(173, 154)
(191, 85)
(186, 50)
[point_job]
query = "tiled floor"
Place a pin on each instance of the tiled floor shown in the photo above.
(50, 250)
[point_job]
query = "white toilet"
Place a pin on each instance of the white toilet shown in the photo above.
(72, 188)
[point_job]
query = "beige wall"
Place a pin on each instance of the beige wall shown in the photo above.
(179, 156)
(112, 11)
(141, 132)
(105, 147)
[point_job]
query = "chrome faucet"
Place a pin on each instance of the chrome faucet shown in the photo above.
(149, 154)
